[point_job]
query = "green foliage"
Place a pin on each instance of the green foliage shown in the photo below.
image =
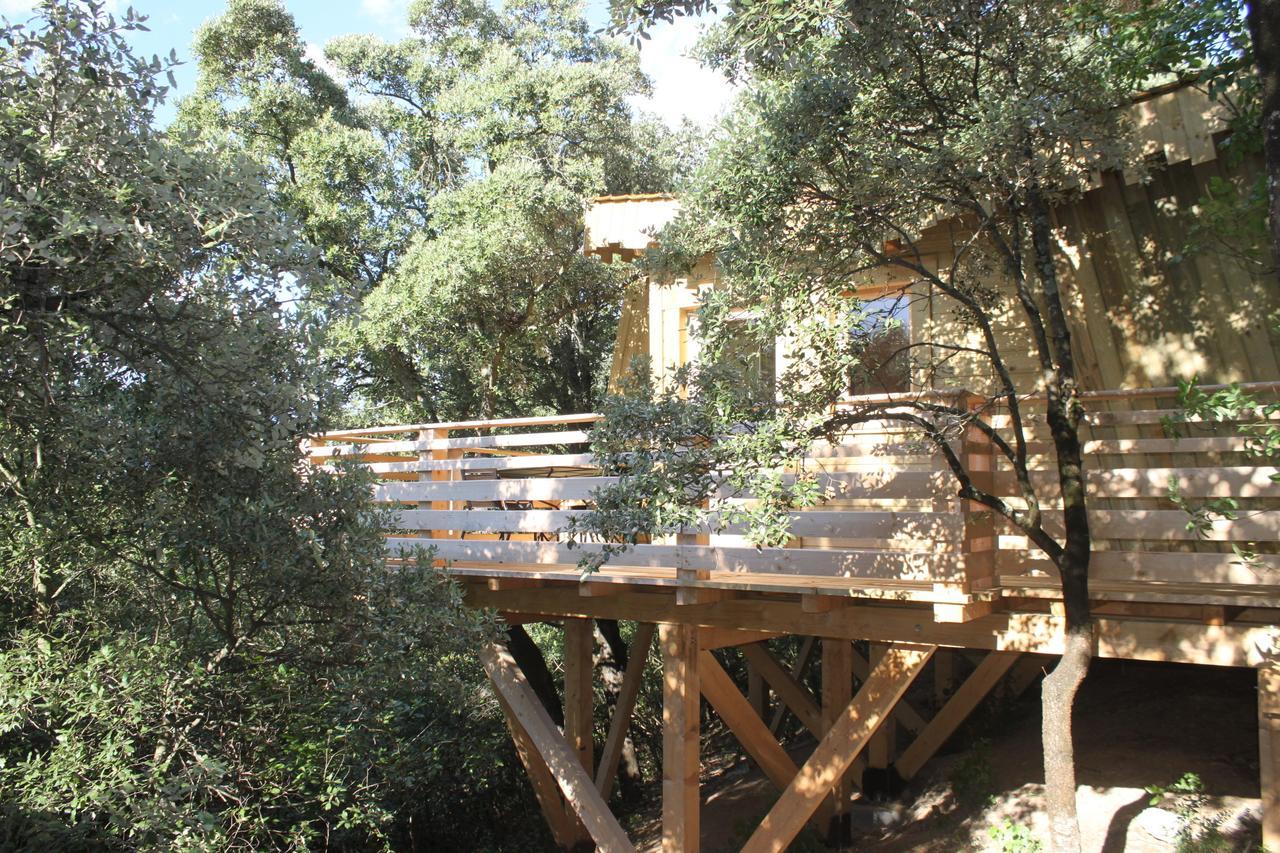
(679, 468)
(442, 181)
(203, 645)
(1206, 43)
(1015, 838)
(1254, 419)
(972, 779)
(1197, 832)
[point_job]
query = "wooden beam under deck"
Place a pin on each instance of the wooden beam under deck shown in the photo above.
(1133, 638)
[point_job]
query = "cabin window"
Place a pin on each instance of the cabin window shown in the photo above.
(757, 360)
(880, 341)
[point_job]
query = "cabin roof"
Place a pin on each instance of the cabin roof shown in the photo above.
(626, 223)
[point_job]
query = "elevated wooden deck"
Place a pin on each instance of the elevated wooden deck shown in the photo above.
(891, 557)
(493, 498)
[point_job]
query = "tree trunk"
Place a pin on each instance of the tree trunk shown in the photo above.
(1064, 415)
(1057, 697)
(1264, 30)
(529, 658)
(611, 661)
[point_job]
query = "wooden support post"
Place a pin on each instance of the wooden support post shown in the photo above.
(837, 693)
(944, 675)
(1269, 752)
(579, 643)
(757, 692)
(951, 715)
(786, 686)
(607, 773)
(561, 761)
(891, 677)
(881, 748)
(681, 707)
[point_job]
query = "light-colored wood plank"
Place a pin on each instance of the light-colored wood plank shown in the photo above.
(486, 442)
(710, 639)
(881, 748)
(837, 693)
(902, 712)
(607, 773)
(918, 566)
(1147, 638)
(562, 826)
(1269, 752)
(956, 711)
(746, 726)
(534, 489)
(838, 749)
(562, 762)
(681, 706)
(579, 646)
(1239, 481)
(491, 423)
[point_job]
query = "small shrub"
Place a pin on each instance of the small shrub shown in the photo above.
(1197, 833)
(971, 779)
(1015, 838)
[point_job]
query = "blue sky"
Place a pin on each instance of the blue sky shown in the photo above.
(681, 87)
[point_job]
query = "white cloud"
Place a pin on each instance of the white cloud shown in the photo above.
(315, 53)
(682, 87)
(16, 7)
(391, 13)
(13, 8)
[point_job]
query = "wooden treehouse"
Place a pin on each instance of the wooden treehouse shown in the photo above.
(893, 558)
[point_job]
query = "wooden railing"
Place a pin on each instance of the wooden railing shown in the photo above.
(494, 498)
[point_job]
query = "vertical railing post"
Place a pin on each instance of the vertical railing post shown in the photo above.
(978, 537)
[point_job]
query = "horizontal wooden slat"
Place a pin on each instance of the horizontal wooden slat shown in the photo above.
(523, 439)
(1166, 592)
(1132, 418)
(492, 423)
(1198, 444)
(1171, 566)
(533, 489)
(487, 520)
(906, 565)
(488, 463)
(1170, 525)
(852, 524)
(1243, 481)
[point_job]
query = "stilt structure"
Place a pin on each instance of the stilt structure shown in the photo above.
(897, 566)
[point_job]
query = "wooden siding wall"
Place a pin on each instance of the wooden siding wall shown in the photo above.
(1146, 311)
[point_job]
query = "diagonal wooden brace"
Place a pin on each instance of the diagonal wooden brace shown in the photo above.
(789, 689)
(951, 715)
(847, 737)
(561, 761)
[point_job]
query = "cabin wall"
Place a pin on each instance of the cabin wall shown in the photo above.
(1145, 311)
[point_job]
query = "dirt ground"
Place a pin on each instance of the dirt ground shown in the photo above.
(1136, 724)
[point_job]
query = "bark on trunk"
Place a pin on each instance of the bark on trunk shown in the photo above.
(534, 666)
(1064, 415)
(1264, 31)
(1058, 693)
(611, 661)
